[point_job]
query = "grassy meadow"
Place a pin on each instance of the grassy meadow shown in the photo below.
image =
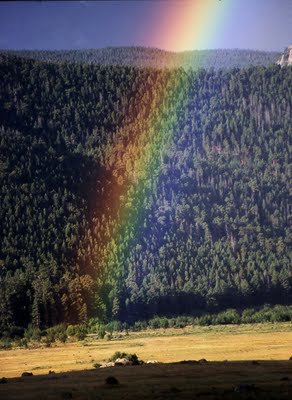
(238, 378)
(215, 343)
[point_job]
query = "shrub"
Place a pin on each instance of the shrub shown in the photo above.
(116, 355)
(6, 344)
(172, 322)
(62, 337)
(93, 325)
(191, 320)
(181, 322)
(139, 326)
(261, 316)
(80, 335)
(247, 315)
(47, 341)
(205, 320)
(230, 316)
(110, 327)
(196, 321)
(101, 331)
(13, 332)
(164, 323)
(50, 337)
(80, 332)
(33, 333)
(134, 359)
(114, 326)
(71, 330)
(280, 314)
(131, 357)
(111, 380)
(154, 323)
(58, 332)
(23, 343)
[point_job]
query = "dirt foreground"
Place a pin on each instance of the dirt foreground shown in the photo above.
(213, 380)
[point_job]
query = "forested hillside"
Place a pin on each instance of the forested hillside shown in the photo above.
(212, 227)
(150, 57)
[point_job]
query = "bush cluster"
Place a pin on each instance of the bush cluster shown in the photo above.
(131, 357)
(267, 313)
(62, 332)
(56, 333)
(78, 331)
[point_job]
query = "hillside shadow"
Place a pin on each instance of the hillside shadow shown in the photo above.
(181, 380)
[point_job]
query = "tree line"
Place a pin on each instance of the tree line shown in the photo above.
(145, 57)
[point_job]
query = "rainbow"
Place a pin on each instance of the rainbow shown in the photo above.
(183, 25)
(190, 24)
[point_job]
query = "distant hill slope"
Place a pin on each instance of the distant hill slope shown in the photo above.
(87, 230)
(151, 57)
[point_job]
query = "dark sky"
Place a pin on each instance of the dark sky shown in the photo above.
(257, 24)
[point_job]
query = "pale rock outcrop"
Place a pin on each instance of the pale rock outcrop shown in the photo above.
(123, 362)
(286, 57)
(107, 364)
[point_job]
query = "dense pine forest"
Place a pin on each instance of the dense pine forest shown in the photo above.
(213, 215)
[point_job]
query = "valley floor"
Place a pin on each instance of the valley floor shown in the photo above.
(214, 343)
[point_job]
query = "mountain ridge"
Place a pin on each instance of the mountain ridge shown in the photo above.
(152, 57)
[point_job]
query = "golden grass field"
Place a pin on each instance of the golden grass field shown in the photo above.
(75, 377)
(216, 343)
